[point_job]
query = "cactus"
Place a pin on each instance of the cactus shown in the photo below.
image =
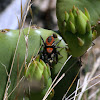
(76, 31)
(75, 28)
(8, 40)
(38, 72)
(91, 5)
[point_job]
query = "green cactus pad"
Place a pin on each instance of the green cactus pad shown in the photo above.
(76, 31)
(8, 41)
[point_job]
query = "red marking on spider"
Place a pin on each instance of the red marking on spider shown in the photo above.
(49, 54)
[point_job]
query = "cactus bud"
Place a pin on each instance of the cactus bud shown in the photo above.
(74, 10)
(72, 27)
(94, 34)
(87, 14)
(71, 17)
(38, 72)
(65, 24)
(88, 26)
(80, 41)
(66, 16)
(81, 23)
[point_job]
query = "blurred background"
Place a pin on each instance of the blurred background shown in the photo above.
(10, 11)
(43, 14)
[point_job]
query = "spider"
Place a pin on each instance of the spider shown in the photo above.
(49, 54)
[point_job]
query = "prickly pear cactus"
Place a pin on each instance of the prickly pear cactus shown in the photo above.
(91, 5)
(8, 41)
(38, 79)
(76, 30)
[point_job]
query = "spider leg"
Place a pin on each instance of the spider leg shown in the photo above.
(58, 53)
(56, 57)
(56, 60)
(42, 40)
(60, 62)
(56, 42)
(40, 52)
(59, 47)
(42, 56)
